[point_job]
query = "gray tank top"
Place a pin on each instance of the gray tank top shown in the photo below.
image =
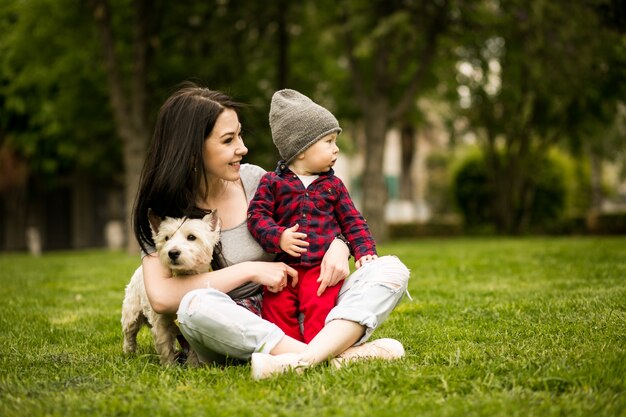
(238, 245)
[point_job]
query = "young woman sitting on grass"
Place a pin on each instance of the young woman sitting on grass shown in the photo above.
(194, 165)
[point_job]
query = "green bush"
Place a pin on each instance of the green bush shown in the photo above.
(548, 205)
(414, 229)
(475, 196)
(473, 192)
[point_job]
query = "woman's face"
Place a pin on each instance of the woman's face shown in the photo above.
(224, 148)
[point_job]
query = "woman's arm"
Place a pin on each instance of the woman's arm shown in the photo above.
(165, 291)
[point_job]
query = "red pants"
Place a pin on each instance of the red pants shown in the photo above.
(284, 308)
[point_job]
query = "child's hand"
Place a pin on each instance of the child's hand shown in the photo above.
(364, 259)
(293, 242)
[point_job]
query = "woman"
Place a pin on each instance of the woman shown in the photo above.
(194, 165)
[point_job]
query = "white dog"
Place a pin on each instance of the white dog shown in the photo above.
(186, 247)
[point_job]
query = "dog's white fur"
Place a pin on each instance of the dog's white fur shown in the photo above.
(186, 247)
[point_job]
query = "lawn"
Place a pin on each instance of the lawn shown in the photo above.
(497, 327)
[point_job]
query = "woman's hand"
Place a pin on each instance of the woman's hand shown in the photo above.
(335, 266)
(274, 275)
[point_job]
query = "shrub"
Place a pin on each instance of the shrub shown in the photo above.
(473, 193)
(475, 196)
(548, 182)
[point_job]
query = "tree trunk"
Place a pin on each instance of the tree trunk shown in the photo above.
(15, 220)
(372, 81)
(502, 180)
(82, 225)
(374, 189)
(596, 191)
(134, 153)
(14, 201)
(408, 145)
(527, 195)
(129, 109)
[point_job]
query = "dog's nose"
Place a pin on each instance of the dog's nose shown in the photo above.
(173, 254)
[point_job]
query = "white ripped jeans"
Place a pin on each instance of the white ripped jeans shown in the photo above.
(217, 327)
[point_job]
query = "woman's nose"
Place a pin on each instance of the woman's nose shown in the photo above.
(242, 150)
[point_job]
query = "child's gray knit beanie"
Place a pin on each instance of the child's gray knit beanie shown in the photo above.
(297, 123)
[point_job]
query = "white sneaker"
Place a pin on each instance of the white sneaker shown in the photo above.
(265, 365)
(387, 349)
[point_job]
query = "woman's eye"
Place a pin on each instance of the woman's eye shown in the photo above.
(191, 238)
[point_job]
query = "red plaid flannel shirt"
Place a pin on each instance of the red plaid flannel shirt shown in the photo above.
(323, 211)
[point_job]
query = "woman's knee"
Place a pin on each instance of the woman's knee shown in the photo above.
(213, 322)
(204, 298)
(389, 271)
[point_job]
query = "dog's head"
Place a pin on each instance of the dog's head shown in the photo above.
(186, 245)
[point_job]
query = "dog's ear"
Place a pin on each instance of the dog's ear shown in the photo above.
(155, 221)
(213, 220)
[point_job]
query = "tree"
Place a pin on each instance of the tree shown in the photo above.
(602, 110)
(389, 48)
(529, 76)
(128, 97)
(51, 114)
(205, 41)
(50, 95)
(66, 114)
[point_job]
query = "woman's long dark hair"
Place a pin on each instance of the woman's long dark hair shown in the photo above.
(174, 169)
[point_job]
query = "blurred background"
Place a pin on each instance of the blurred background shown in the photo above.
(459, 116)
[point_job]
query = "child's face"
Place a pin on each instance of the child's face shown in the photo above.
(321, 156)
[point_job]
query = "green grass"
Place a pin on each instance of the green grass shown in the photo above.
(497, 327)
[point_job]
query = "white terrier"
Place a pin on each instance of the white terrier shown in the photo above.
(186, 247)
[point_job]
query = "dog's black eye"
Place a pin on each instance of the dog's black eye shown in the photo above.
(191, 237)
(167, 238)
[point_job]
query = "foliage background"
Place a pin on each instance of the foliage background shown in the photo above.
(81, 82)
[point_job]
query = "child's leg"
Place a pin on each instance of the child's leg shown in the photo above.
(368, 296)
(313, 307)
(281, 309)
(366, 299)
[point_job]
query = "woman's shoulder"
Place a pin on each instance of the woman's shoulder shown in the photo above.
(250, 177)
(251, 169)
